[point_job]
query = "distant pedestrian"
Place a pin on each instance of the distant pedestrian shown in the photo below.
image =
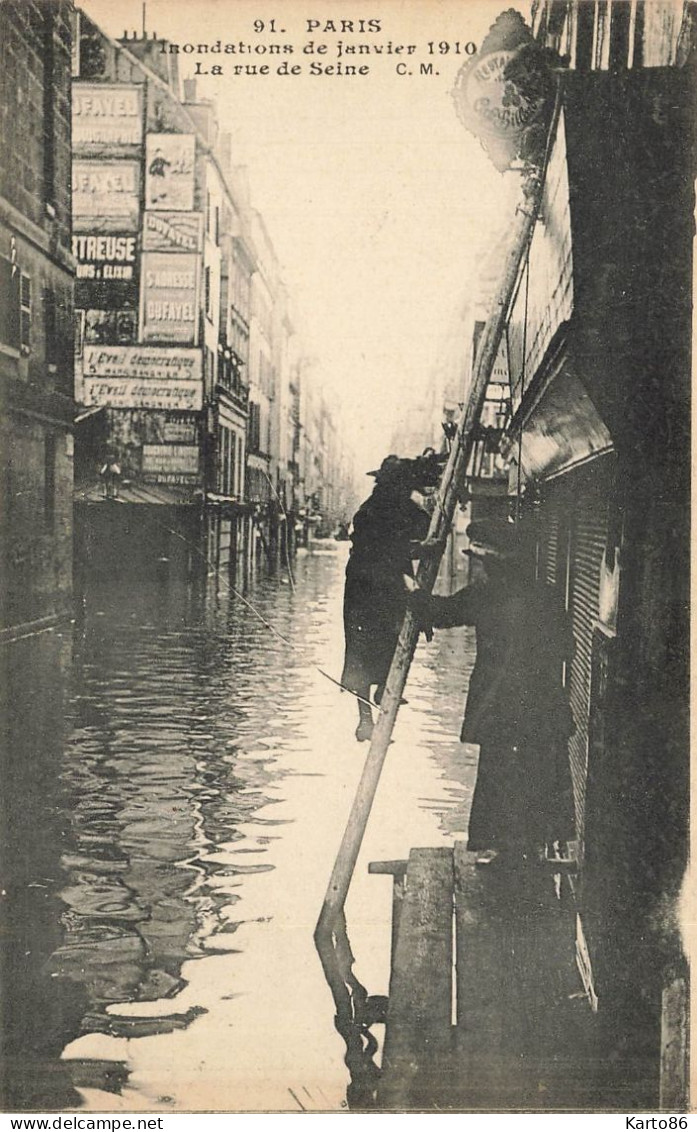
(387, 531)
(517, 708)
(110, 473)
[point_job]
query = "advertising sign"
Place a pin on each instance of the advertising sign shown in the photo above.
(170, 463)
(134, 393)
(169, 297)
(180, 430)
(143, 362)
(169, 164)
(105, 196)
(106, 115)
(103, 258)
(503, 91)
(172, 232)
(104, 327)
(107, 271)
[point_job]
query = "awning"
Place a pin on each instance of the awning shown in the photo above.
(152, 494)
(226, 505)
(562, 429)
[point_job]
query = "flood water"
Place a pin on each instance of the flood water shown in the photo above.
(177, 781)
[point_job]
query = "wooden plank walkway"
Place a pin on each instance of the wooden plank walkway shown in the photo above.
(481, 1013)
(418, 1036)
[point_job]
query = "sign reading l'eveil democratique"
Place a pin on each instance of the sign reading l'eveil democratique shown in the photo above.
(147, 362)
(142, 393)
(142, 377)
(169, 172)
(169, 298)
(172, 232)
(106, 116)
(105, 196)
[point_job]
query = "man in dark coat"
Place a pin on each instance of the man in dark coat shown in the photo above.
(385, 530)
(517, 709)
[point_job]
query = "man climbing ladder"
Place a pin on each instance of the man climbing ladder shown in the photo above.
(441, 520)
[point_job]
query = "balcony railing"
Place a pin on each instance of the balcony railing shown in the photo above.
(229, 377)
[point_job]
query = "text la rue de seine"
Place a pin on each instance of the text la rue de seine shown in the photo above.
(343, 50)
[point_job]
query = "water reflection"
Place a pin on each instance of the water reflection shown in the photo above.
(153, 766)
(356, 1013)
(37, 1011)
(175, 778)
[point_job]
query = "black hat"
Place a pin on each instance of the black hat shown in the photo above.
(392, 468)
(423, 471)
(495, 536)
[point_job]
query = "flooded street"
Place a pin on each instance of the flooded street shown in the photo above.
(179, 777)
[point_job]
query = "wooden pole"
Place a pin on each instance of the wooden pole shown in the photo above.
(441, 520)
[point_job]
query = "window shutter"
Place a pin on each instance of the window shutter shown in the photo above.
(9, 304)
(25, 313)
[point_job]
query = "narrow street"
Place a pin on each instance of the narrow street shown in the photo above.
(187, 774)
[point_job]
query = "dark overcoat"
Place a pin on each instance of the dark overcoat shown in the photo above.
(375, 594)
(517, 709)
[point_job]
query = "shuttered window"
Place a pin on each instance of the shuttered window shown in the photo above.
(572, 536)
(9, 304)
(25, 313)
(589, 532)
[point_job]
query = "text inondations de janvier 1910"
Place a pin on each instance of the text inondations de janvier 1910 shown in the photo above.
(339, 48)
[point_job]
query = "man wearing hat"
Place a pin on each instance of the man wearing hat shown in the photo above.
(387, 529)
(517, 709)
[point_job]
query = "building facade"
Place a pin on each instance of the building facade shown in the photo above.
(36, 316)
(597, 356)
(163, 431)
(184, 355)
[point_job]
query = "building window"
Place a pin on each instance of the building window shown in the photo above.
(217, 224)
(637, 34)
(49, 480)
(566, 36)
(555, 29)
(601, 46)
(208, 213)
(9, 304)
(92, 60)
(232, 452)
(25, 313)
(619, 36)
(207, 291)
(210, 367)
(585, 21)
(254, 427)
(222, 470)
